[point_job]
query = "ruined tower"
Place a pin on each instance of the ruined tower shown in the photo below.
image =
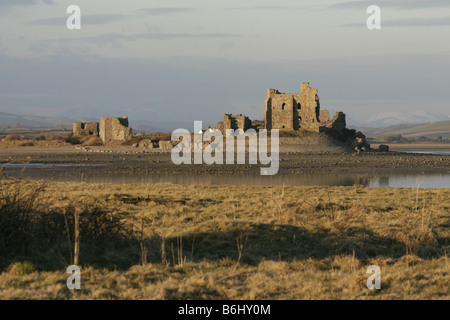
(298, 111)
(114, 129)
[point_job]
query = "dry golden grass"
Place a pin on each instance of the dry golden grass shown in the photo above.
(32, 143)
(244, 242)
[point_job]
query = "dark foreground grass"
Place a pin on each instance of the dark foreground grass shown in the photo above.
(223, 242)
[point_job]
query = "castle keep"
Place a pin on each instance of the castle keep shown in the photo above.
(299, 111)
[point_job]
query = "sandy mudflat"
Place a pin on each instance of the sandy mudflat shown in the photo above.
(140, 161)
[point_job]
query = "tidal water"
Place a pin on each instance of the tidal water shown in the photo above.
(76, 172)
(443, 152)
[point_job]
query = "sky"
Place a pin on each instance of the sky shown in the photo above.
(181, 60)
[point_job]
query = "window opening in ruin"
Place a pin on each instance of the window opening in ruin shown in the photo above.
(283, 106)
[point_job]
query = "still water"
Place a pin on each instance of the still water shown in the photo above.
(76, 172)
(415, 181)
(443, 152)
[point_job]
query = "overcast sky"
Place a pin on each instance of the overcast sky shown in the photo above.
(195, 60)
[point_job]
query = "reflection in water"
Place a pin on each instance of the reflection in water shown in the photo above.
(443, 152)
(422, 181)
(81, 173)
(378, 182)
(412, 181)
(231, 179)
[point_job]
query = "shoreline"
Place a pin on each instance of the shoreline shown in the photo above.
(415, 146)
(135, 161)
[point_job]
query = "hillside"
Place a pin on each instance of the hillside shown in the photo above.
(392, 118)
(10, 121)
(435, 129)
(20, 123)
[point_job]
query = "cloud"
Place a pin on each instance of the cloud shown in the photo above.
(85, 19)
(11, 3)
(263, 8)
(416, 22)
(115, 37)
(6, 5)
(65, 46)
(169, 36)
(165, 11)
(400, 4)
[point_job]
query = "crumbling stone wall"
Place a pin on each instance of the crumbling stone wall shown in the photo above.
(338, 122)
(114, 129)
(236, 121)
(81, 129)
(165, 145)
(147, 144)
(257, 125)
(324, 116)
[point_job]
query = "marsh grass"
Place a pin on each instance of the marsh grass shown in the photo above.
(168, 241)
(32, 227)
(21, 268)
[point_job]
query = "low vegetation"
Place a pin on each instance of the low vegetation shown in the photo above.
(169, 241)
(412, 131)
(420, 139)
(16, 140)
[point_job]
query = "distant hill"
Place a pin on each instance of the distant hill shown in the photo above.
(11, 121)
(395, 118)
(435, 129)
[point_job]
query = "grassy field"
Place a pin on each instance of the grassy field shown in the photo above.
(223, 242)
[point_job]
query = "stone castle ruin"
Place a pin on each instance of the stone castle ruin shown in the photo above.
(299, 111)
(108, 129)
(285, 112)
(115, 129)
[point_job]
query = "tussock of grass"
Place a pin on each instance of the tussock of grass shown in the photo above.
(33, 227)
(21, 268)
(229, 242)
